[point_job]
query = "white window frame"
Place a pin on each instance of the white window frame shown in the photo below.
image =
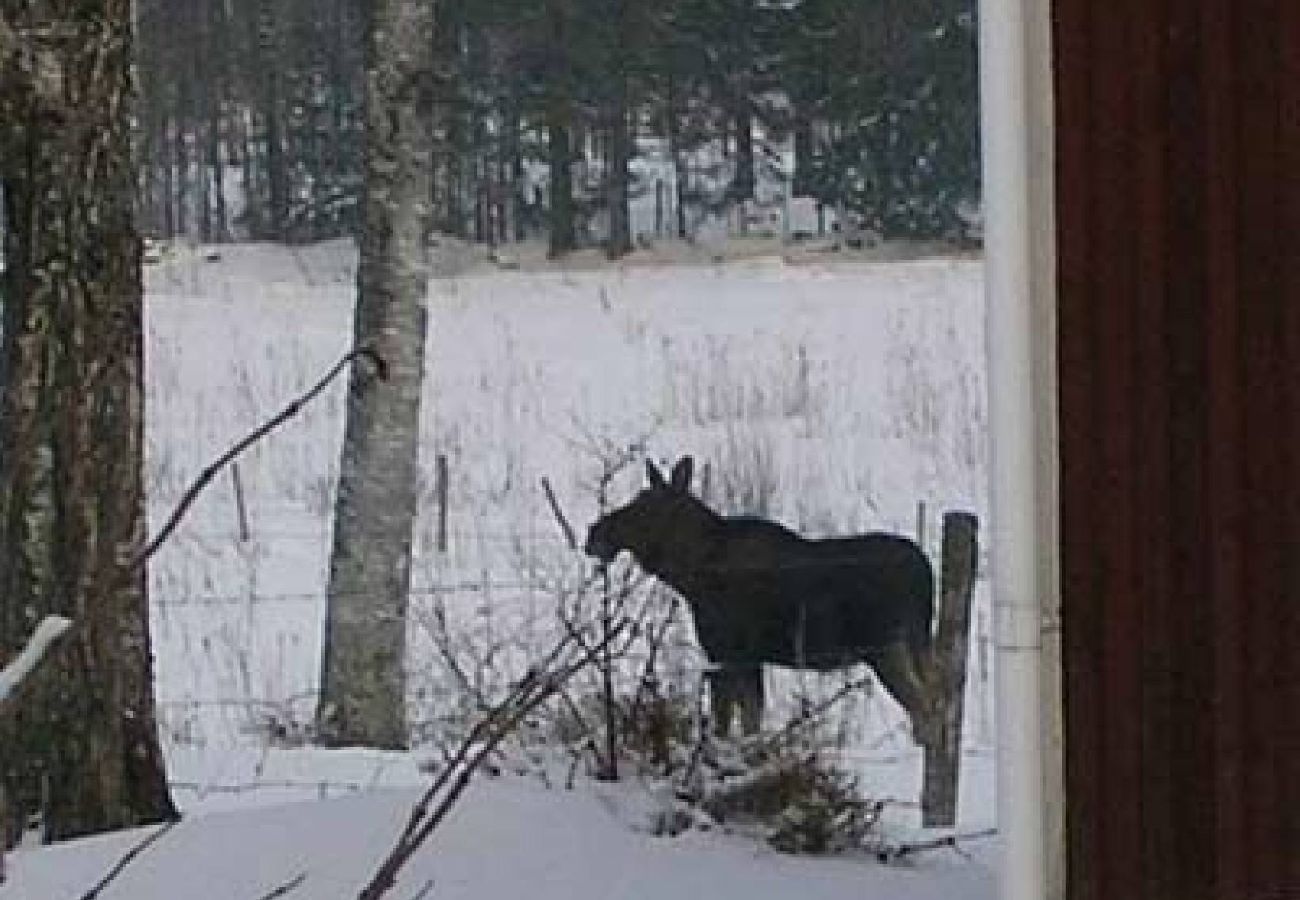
(1019, 232)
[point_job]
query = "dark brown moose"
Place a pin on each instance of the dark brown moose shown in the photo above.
(759, 593)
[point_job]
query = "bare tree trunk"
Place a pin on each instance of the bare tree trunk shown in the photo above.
(742, 186)
(802, 181)
(617, 178)
(183, 121)
(559, 128)
(168, 159)
(81, 750)
(363, 679)
(271, 88)
(217, 95)
(673, 130)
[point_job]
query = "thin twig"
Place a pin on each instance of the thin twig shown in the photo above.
(424, 891)
(127, 859)
(569, 536)
(285, 889)
(539, 684)
(947, 841)
(811, 714)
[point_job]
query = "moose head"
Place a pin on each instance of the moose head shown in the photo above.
(658, 526)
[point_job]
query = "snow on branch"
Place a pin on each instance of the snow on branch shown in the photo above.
(46, 633)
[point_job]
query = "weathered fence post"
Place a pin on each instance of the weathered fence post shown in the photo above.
(241, 507)
(440, 479)
(948, 677)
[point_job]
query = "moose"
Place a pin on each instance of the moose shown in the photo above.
(759, 593)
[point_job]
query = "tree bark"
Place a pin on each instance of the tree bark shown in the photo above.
(742, 185)
(81, 749)
(559, 132)
(271, 88)
(363, 679)
(618, 178)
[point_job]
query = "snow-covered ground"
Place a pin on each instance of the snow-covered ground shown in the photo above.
(834, 396)
(511, 840)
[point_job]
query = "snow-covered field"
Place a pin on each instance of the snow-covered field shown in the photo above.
(833, 396)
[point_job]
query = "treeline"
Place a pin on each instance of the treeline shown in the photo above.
(563, 117)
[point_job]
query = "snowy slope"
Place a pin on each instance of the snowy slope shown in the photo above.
(510, 839)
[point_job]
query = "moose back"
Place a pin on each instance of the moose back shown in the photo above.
(759, 593)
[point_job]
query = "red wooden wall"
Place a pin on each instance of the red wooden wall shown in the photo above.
(1178, 192)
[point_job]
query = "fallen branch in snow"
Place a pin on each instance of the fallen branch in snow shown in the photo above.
(46, 633)
(539, 684)
(127, 860)
(287, 888)
(895, 852)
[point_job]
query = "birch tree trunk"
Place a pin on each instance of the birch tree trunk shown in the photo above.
(363, 678)
(80, 746)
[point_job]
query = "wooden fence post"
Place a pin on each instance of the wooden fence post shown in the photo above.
(948, 676)
(440, 479)
(241, 508)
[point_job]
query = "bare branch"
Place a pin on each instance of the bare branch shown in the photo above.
(211, 472)
(569, 536)
(948, 841)
(538, 684)
(126, 860)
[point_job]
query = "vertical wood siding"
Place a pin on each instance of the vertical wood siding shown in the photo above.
(1178, 153)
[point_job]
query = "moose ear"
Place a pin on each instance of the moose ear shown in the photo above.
(652, 472)
(681, 477)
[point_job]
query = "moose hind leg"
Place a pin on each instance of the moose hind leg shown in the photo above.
(722, 699)
(749, 684)
(896, 668)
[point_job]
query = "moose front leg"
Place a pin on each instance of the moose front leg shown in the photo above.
(721, 700)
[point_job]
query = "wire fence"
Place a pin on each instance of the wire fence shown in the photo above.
(511, 574)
